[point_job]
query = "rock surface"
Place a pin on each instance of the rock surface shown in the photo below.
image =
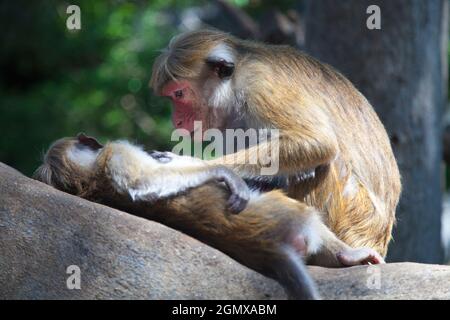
(44, 231)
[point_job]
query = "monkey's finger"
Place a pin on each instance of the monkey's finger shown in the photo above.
(236, 204)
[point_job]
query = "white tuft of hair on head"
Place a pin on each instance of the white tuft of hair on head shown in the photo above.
(223, 95)
(222, 51)
(82, 156)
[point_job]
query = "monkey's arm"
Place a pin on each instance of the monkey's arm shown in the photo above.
(290, 155)
(158, 175)
(305, 141)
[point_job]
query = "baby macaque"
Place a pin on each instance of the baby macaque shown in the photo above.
(272, 234)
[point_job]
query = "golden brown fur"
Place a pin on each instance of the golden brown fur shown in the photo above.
(326, 124)
(257, 237)
(271, 235)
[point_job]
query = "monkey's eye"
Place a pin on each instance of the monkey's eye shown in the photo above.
(222, 68)
(178, 94)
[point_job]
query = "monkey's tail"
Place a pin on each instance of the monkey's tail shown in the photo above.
(294, 277)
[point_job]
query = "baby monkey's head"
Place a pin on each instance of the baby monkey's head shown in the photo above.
(68, 164)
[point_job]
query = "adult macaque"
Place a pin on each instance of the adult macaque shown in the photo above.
(328, 130)
(271, 235)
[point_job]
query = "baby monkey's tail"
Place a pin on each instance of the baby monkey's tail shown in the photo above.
(293, 275)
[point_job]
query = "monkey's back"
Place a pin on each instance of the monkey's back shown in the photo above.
(360, 191)
(363, 181)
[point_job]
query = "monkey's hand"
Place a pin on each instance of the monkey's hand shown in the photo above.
(359, 256)
(240, 192)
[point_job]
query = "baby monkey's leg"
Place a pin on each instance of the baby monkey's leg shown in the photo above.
(336, 253)
(158, 175)
(307, 234)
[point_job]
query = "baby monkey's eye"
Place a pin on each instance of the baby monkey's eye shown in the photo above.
(222, 68)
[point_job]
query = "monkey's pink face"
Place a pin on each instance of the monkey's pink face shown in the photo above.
(185, 104)
(206, 97)
(190, 106)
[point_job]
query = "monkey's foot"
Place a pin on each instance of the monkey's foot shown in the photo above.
(359, 256)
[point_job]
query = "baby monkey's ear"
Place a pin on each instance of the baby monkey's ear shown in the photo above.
(89, 142)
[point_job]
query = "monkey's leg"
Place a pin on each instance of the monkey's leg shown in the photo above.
(336, 253)
(312, 239)
(264, 236)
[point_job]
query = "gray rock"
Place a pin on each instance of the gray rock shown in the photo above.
(44, 231)
(389, 281)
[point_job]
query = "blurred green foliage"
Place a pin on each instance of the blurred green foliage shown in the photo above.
(56, 82)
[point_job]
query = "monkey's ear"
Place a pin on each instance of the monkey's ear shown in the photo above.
(222, 68)
(89, 141)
